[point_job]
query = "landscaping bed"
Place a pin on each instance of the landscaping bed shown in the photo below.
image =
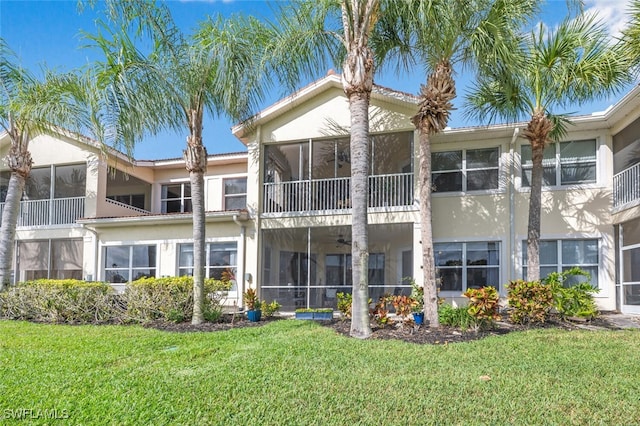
(408, 333)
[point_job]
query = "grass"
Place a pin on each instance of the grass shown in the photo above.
(298, 372)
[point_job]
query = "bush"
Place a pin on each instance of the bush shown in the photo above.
(171, 299)
(269, 309)
(345, 301)
(455, 317)
(68, 301)
(572, 300)
(530, 301)
(483, 304)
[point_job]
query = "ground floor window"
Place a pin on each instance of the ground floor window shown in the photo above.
(307, 267)
(55, 259)
(221, 260)
(460, 266)
(561, 255)
(129, 263)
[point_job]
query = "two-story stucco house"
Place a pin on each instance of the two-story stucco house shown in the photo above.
(279, 214)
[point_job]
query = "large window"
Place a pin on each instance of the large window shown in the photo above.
(55, 259)
(221, 260)
(561, 255)
(467, 265)
(565, 163)
(176, 198)
(129, 263)
(465, 170)
(59, 181)
(235, 194)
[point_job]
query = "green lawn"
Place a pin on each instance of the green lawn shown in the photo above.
(299, 373)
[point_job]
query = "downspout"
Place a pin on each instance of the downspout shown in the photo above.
(240, 282)
(512, 214)
(96, 250)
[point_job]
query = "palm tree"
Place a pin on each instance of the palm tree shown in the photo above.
(556, 68)
(173, 86)
(438, 34)
(304, 40)
(29, 107)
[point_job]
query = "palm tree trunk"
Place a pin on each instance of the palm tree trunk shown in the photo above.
(359, 108)
(537, 131)
(426, 233)
(20, 162)
(195, 157)
(535, 202)
(8, 229)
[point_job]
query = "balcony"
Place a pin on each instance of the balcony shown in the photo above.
(626, 187)
(391, 190)
(57, 211)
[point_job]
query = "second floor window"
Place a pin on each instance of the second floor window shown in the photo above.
(235, 193)
(176, 198)
(465, 170)
(564, 163)
(49, 182)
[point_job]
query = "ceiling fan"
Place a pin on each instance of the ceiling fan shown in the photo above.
(341, 241)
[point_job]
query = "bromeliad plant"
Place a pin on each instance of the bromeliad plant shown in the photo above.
(483, 305)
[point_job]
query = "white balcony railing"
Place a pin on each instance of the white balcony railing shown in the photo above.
(626, 186)
(59, 211)
(393, 190)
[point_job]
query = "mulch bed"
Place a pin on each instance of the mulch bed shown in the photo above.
(407, 333)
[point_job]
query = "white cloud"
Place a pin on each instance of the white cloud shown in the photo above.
(613, 13)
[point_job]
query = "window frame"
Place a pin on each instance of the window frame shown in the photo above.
(464, 171)
(559, 265)
(465, 266)
(185, 270)
(226, 196)
(183, 199)
(557, 164)
(130, 269)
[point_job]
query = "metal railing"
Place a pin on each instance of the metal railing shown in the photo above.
(126, 206)
(57, 211)
(626, 186)
(393, 190)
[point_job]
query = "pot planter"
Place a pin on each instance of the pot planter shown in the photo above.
(254, 315)
(418, 318)
(318, 316)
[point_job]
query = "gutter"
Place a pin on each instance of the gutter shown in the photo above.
(241, 267)
(96, 248)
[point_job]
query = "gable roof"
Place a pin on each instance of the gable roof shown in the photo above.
(330, 81)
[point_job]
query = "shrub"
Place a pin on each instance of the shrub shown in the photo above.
(269, 309)
(380, 311)
(251, 300)
(403, 306)
(455, 317)
(483, 304)
(572, 300)
(344, 304)
(530, 301)
(171, 299)
(69, 301)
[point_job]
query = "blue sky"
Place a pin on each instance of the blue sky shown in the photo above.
(49, 33)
